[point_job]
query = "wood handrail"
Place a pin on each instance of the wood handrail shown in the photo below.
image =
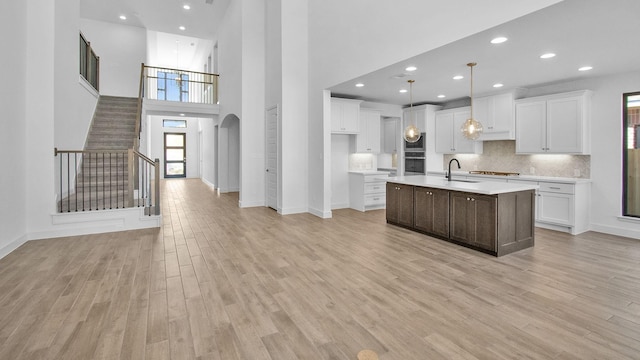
(138, 128)
(178, 70)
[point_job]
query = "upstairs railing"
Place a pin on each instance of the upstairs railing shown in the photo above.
(89, 63)
(92, 180)
(167, 84)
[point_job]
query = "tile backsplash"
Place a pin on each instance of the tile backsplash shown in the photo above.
(501, 156)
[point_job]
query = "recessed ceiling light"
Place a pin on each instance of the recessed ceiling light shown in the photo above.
(411, 68)
(186, 7)
(441, 96)
(181, 114)
(585, 68)
(359, 85)
(499, 40)
(547, 56)
(182, 28)
(122, 17)
(458, 77)
(403, 90)
(498, 85)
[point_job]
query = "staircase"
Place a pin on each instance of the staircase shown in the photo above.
(114, 123)
(102, 178)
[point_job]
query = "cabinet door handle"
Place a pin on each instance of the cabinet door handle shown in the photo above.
(554, 187)
(376, 187)
(472, 199)
(468, 199)
(376, 198)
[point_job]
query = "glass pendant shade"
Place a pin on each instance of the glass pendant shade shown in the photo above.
(472, 128)
(411, 132)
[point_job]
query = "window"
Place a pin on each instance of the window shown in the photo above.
(173, 86)
(631, 154)
(174, 123)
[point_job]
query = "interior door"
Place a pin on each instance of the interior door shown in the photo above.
(272, 157)
(175, 155)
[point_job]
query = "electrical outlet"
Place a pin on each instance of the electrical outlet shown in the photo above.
(532, 170)
(576, 172)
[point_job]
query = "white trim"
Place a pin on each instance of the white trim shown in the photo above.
(11, 246)
(95, 222)
(291, 211)
(614, 230)
(85, 84)
(629, 219)
(320, 213)
(247, 204)
(208, 183)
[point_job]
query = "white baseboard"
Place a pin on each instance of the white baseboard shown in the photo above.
(247, 204)
(338, 206)
(290, 211)
(320, 213)
(12, 245)
(73, 224)
(212, 185)
(614, 230)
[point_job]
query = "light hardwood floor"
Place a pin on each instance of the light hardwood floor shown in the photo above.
(219, 282)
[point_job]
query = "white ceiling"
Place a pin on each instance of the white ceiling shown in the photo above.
(162, 18)
(602, 34)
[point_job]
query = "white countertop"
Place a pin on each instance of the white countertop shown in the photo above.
(517, 177)
(481, 187)
(369, 172)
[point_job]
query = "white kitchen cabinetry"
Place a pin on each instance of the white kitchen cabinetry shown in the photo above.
(497, 115)
(367, 190)
(554, 124)
(449, 138)
(345, 116)
(390, 136)
(368, 139)
(561, 206)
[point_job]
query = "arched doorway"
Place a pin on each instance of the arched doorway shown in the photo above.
(229, 154)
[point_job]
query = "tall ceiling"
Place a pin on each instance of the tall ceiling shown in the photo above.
(167, 44)
(600, 34)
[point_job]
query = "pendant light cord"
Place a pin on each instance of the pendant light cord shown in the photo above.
(471, 65)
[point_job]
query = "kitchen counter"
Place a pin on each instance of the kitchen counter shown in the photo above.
(478, 187)
(513, 177)
(369, 172)
(489, 216)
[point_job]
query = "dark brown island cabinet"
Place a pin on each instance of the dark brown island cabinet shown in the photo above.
(496, 224)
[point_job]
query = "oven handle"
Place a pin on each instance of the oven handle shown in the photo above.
(415, 158)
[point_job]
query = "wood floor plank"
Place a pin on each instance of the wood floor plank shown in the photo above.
(219, 282)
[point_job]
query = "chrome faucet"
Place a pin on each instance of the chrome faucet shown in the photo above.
(449, 173)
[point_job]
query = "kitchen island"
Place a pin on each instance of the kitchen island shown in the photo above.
(493, 217)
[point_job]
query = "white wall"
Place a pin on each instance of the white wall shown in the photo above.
(606, 147)
(252, 122)
(121, 49)
(39, 117)
(208, 152)
(385, 34)
(340, 171)
(157, 142)
(13, 191)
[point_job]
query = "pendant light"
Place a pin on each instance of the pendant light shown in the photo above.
(411, 132)
(471, 129)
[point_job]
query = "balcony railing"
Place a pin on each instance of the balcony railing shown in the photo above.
(180, 85)
(89, 63)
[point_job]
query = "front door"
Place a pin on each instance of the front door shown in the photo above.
(175, 155)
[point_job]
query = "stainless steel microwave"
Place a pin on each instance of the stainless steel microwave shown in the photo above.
(416, 146)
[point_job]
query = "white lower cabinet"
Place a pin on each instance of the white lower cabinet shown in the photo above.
(367, 191)
(561, 206)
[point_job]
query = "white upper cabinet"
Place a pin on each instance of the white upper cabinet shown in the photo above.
(449, 138)
(497, 115)
(390, 136)
(345, 116)
(368, 140)
(554, 124)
